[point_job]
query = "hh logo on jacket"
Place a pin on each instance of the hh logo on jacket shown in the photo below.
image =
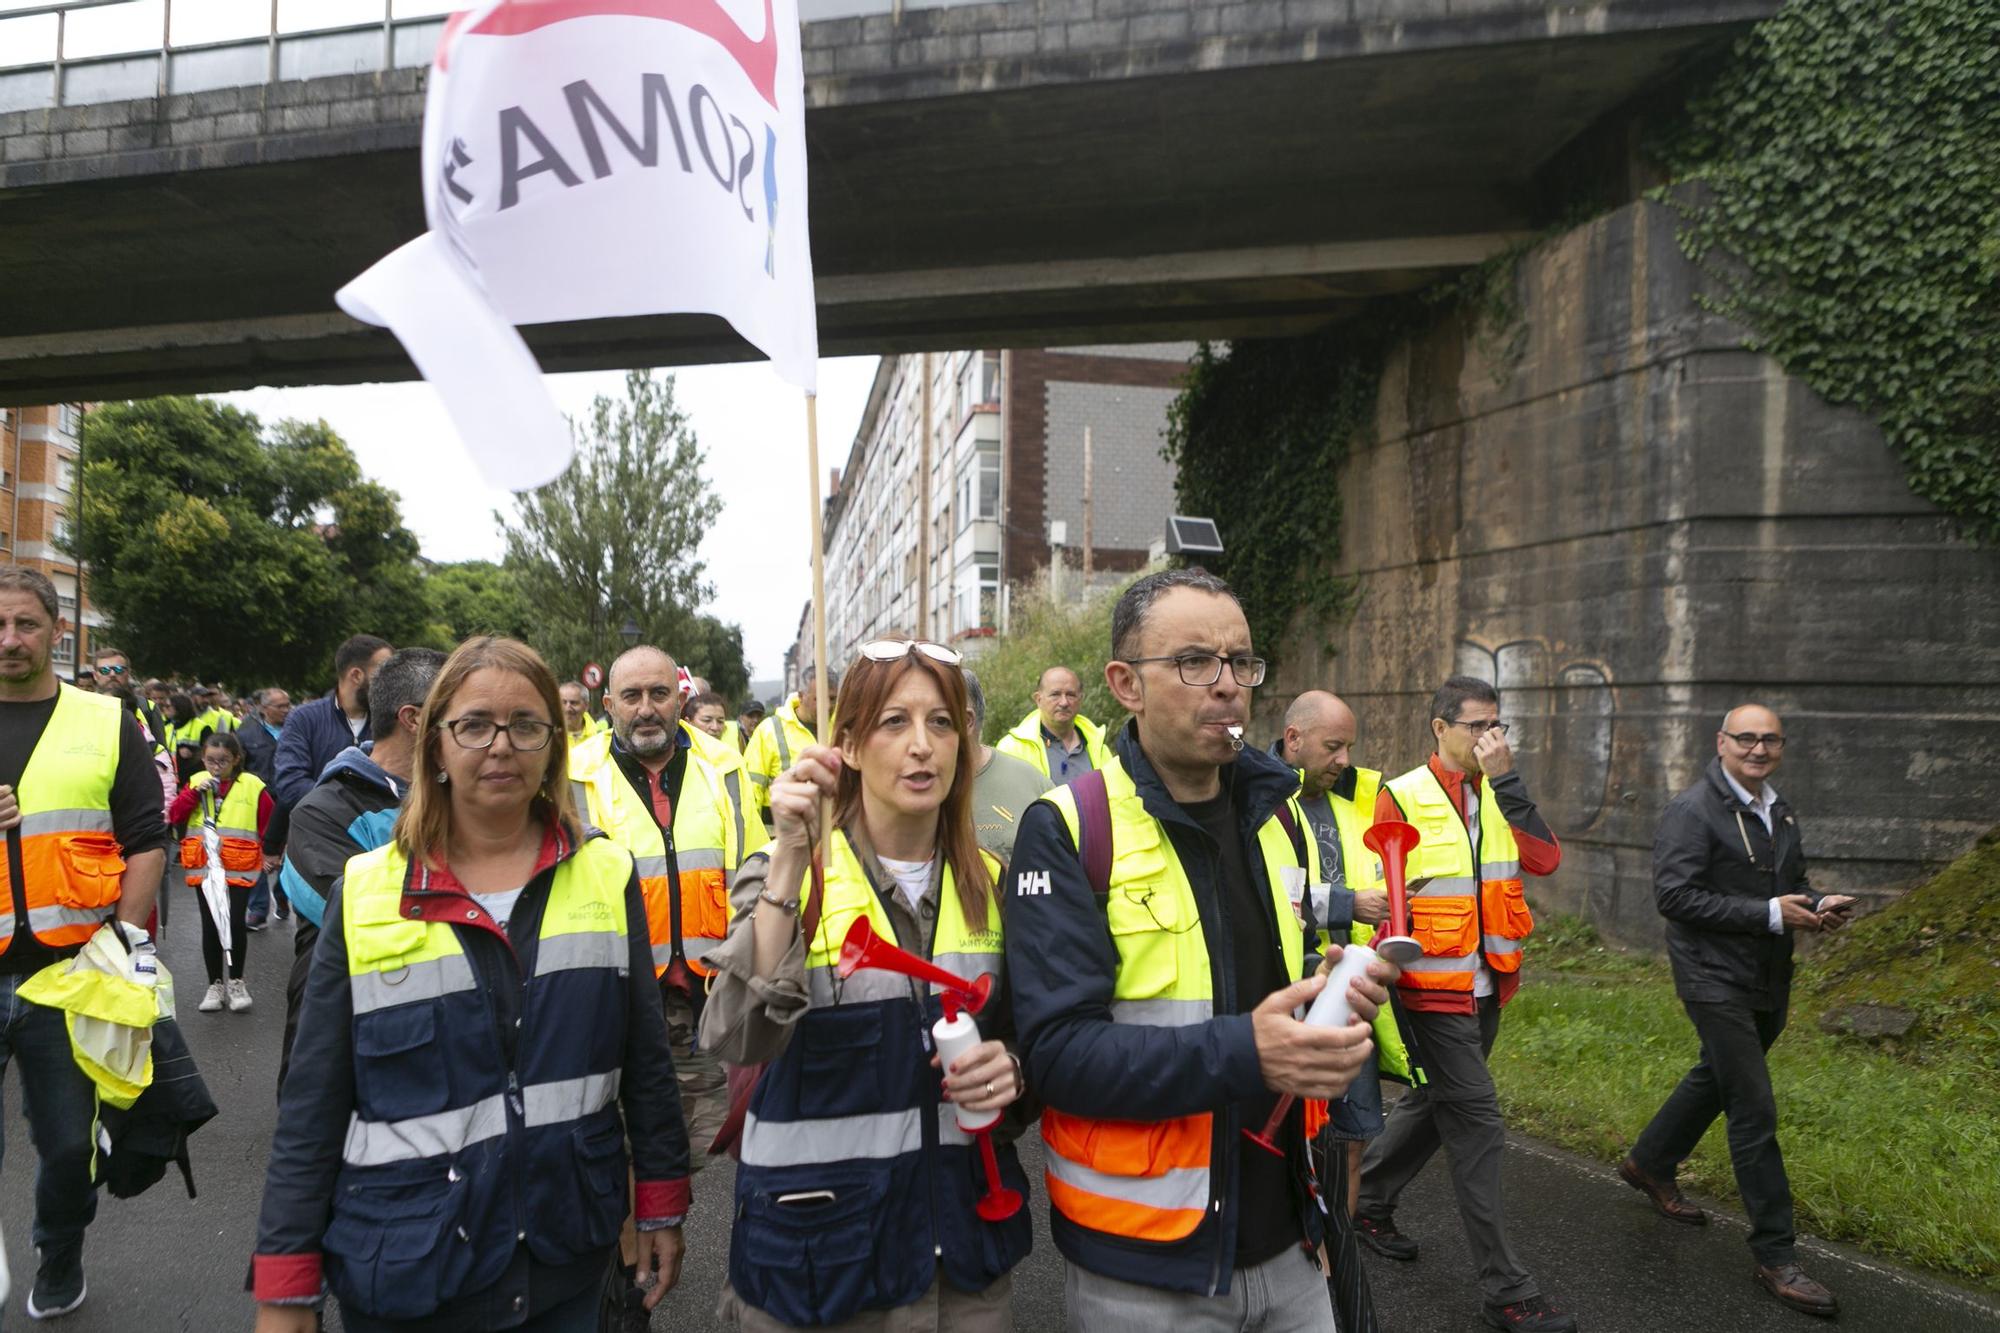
(1030, 883)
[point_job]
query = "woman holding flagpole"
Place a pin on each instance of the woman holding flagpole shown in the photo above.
(857, 1201)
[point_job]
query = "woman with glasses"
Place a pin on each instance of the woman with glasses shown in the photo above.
(480, 1039)
(855, 1200)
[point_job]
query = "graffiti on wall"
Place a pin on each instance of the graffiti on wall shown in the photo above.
(1560, 710)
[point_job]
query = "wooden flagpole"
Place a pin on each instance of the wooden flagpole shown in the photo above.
(810, 917)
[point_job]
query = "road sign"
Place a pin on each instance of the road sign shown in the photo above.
(593, 675)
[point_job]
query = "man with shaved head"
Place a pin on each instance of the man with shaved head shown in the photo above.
(1337, 800)
(674, 797)
(1056, 739)
(1729, 875)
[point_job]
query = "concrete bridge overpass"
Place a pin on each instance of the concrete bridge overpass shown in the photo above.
(1028, 172)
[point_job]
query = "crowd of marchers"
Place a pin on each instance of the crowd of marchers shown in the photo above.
(547, 964)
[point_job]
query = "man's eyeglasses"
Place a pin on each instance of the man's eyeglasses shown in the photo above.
(111, 670)
(891, 650)
(1204, 669)
(1750, 740)
(1479, 729)
(527, 734)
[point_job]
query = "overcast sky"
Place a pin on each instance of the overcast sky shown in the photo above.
(751, 425)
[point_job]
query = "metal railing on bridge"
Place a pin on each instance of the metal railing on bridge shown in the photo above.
(75, 52)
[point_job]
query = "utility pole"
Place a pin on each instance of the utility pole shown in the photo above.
(923, 627)
(1087, 533)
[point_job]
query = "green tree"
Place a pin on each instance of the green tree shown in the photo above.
(615, 540)
(474, 597)
(224, 553)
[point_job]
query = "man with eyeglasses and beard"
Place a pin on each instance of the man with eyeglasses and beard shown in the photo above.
(674, 797)
(1154, 981)
(1481, 833)
(1729, 875)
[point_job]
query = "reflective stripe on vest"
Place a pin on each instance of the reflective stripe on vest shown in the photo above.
(1150, 1180)
(1465, 913)
(709, 843)
(956, 947)
(845, 1137)
(72, 870)
(399, 963)
(236, 824)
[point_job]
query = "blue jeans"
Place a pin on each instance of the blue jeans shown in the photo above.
(62, 1107)
(260, 897)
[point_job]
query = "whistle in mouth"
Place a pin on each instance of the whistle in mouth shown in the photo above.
(1236, 738)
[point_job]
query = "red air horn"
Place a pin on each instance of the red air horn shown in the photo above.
(953, 1035)
(1393, 842)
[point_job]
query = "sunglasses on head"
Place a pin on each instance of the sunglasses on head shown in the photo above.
(890, 650)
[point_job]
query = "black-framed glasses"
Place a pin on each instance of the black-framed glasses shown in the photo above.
(1480, 728)
(526, 734)
(890, 650)
(1750, 740)
(1204, 669)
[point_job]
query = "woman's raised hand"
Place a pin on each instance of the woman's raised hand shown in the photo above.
(985, 1078)
(796, 793)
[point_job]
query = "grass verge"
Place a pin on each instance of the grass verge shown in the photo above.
(1894, 1148)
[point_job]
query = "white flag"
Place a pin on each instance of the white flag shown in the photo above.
(590, 159)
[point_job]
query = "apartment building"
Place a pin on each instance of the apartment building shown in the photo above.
(38, 479)
(967, 477)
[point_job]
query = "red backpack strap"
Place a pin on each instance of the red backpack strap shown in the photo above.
(1291, 828)
(1093, 831)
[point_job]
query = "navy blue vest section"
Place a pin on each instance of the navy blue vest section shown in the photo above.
(453, 1160)
(857, 1190)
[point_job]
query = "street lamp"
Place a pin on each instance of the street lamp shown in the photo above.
(629, 632)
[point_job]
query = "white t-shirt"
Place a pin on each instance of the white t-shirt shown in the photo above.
(500, 905)
(912, 877)
(355, 724)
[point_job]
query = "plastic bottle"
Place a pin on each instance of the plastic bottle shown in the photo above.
(1331, 1009)
(953, 1037)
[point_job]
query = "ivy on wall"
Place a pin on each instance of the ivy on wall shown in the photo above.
(1838, 174)
(1845, 161)
(1257, 435)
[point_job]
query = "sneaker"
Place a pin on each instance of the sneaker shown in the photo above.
(239, 997)
(253, 923)
(1533, 1315)
(283, 910)
(59, 1286)
(1380, 1235)
(211, 1003)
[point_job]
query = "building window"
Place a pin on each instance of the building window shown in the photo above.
(66, 472)
(69, 419)
(65, 649)
(989, 484)
(62, 527)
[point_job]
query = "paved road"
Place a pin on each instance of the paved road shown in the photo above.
(163, 1262)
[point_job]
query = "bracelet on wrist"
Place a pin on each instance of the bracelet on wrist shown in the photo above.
(790, 907)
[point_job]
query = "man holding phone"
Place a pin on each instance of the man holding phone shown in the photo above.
(1729, 875)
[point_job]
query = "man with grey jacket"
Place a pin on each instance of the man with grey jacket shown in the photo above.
(1729, 875)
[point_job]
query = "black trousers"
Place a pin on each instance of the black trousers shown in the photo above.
(1459, 1111)
(239, 934)
(304, 936)
(1731, 1080)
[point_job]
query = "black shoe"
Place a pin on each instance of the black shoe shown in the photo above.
(1380, 1235)
(1533, 1315)
(59, 1286)
(253, 922)
(283, 911)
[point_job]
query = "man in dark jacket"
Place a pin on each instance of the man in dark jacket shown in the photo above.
(1219, 1234)
(317, 731)
(259, 733)
(351, 811)
(1729, 875)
